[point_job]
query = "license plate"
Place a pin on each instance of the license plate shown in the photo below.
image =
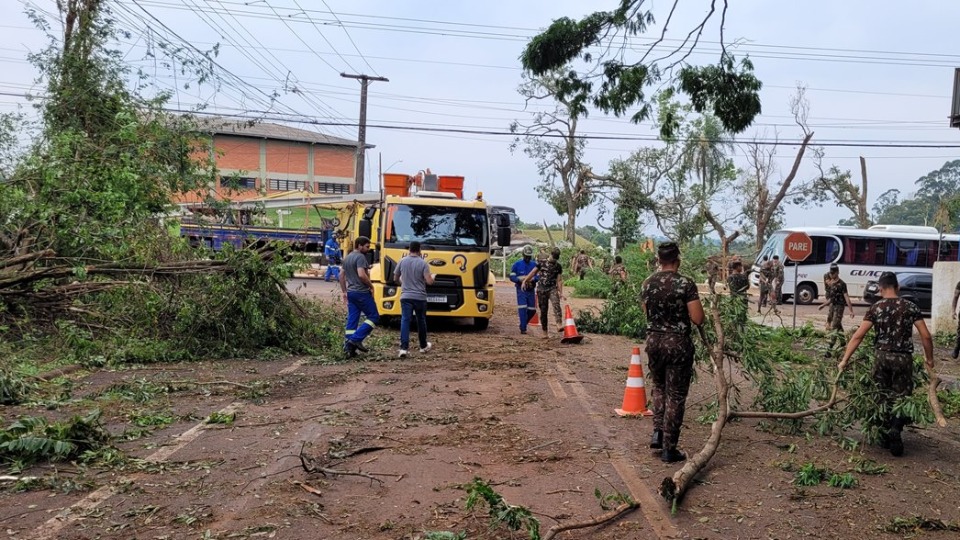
(437, 299)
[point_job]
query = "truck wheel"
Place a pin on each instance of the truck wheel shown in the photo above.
(481, 323)
(385, 321)
(806, 294)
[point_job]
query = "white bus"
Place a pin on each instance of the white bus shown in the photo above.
(861, 254)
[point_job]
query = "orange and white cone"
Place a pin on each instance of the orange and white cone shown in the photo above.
(635, 395)
(535, 320)
(570, 334)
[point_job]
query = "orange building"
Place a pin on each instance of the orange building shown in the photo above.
(264, 159)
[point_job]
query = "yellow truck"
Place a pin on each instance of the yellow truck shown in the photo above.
(456, 235)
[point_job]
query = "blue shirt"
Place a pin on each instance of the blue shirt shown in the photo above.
(521, 269)
(331, 248)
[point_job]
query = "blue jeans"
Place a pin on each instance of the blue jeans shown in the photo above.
(526, 306)
(361, 303)
(407, 309)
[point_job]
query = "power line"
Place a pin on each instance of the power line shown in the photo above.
(349, 37)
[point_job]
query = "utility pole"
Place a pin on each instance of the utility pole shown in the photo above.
(362, 136)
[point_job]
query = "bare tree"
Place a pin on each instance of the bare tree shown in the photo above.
(762, 199)
(550, 138)
(839, 185)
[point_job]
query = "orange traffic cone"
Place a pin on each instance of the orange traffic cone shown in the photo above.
(635, 395)
(570, 334)
(534, 321)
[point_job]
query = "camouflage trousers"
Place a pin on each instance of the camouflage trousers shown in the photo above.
(545, 297)
(893, 374)
(835, 323)
(764, 295)
(778, 293)
(670, 367)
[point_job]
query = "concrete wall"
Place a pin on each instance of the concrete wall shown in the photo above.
(945, 278)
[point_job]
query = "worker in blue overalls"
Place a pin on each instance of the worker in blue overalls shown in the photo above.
(331, 250)
(526, 298)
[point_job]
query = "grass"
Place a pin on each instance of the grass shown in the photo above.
(540, 235)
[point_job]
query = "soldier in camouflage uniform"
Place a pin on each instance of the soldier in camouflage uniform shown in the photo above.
(672, 306)
(581, 263)
(738, 284)
(894, 319)
(835, 293)
(549, 288)
(618, 271)
(765, 277)
(777, 292)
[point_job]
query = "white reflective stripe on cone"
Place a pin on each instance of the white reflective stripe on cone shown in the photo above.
(634, 382)
(568, 322)
(635, 359)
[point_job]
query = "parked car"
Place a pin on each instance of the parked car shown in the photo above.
(917, 288)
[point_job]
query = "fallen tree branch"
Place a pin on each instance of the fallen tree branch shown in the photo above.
(834, 399)
(933, 399)
(311, 467)
(609, 516)
(673, 488)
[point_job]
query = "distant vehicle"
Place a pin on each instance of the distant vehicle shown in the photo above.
(915, 287)
(861, 254)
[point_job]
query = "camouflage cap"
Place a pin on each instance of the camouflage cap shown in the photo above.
(528, 251)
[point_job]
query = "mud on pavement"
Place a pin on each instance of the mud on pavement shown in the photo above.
(532, 417)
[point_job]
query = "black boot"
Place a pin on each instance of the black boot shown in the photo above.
(895, 436)
(672, 455)
(656, 441)
(956, 349)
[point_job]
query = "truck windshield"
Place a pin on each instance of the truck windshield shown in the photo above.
(438, 225)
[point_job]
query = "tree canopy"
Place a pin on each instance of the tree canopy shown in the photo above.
(600, 44)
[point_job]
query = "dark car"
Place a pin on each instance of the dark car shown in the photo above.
(917, 288)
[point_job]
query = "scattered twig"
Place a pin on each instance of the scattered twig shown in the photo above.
(310, 466)
(609, 516)
(539, 446)
(567, 490)
(933, 399)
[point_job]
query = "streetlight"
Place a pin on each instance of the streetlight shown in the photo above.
(385, 171)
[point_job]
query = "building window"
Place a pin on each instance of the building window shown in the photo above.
(286, 185)
(326, 187)
(231, 182)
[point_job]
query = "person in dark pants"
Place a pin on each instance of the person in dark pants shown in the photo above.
(358, 295)
(836, 296)
(549, 288)
(738, 284)
(672, 305)
(894, 319)
(526, 299)
(414, 276)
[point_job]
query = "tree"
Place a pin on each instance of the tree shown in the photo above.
(761, 199)
(838, 185)
(935, 202)
(550, 138)
(728, 89)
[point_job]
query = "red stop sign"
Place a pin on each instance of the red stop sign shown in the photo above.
(797, 246)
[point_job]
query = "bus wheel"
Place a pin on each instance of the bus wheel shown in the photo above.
(385, 321)
(481, 323)
(806, 294)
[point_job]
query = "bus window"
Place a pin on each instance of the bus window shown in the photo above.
(864, 250)
(903, 252)
(825, 249)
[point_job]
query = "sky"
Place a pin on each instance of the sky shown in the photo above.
(877, 72)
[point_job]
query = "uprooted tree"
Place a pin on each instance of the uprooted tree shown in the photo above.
(83, 246)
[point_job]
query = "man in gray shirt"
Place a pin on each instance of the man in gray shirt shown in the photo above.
(358, 295)
(414, 276)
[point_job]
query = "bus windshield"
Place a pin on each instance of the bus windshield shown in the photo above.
(437, 226)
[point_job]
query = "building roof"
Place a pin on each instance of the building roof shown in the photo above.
(264, 130)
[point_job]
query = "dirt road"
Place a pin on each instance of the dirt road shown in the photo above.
(531, 416)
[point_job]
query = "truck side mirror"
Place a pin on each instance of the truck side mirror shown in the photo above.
(503, 236)
(365, 228)
(503, 220)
